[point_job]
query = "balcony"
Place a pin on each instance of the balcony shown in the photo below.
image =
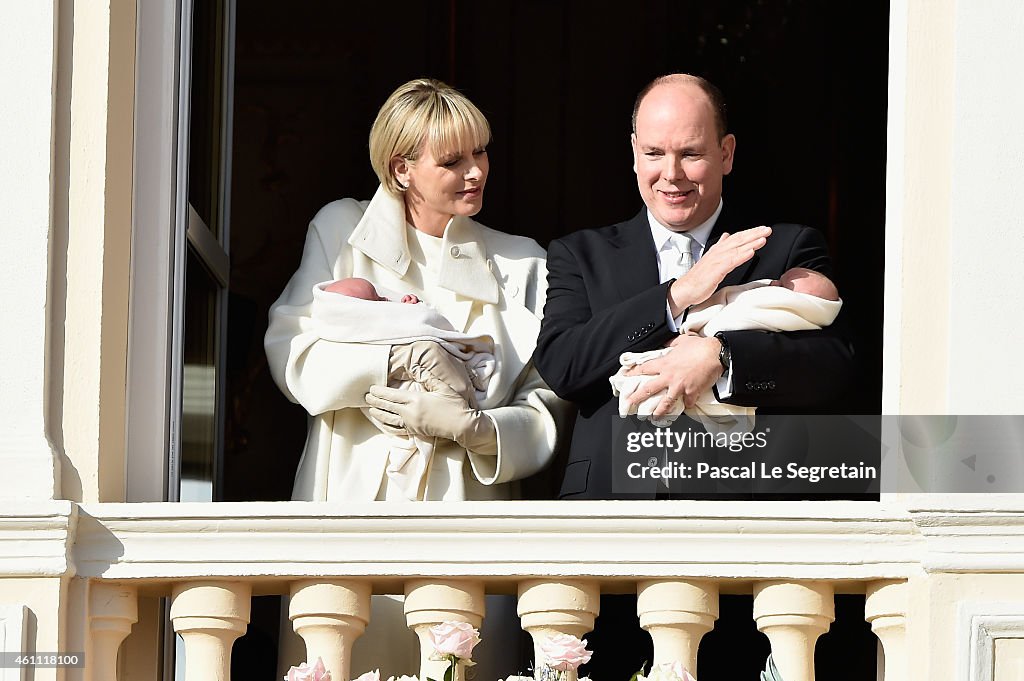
(557, 557)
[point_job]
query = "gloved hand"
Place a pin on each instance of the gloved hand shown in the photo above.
(425, 360)
(439, 413)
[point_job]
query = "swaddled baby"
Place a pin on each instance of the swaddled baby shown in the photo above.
(799, 300)
(361, 315)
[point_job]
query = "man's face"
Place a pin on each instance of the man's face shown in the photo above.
(678, 158)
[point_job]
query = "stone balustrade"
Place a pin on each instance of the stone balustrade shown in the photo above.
(210, 560)
(330, 614)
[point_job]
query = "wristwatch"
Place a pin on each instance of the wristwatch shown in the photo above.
(725, 354)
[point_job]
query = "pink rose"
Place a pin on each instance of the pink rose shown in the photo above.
(564, 652)
(305, 672)
(454, 638)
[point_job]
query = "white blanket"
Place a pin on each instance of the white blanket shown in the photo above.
(344, 319)
(752, 306)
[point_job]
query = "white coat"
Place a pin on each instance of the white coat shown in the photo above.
(489, 283)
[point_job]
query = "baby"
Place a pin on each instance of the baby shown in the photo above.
(342, 313)
(354, 287)
(803, 280)
(799, 300)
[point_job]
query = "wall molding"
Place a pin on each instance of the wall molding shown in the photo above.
(13, 639)
(979, 625)
(36, 538)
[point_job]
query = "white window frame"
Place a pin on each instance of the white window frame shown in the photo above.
(162, 226)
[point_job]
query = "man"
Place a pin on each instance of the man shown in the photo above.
(604, 298)
(604, 295)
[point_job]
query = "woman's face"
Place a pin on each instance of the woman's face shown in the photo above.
(439, 188)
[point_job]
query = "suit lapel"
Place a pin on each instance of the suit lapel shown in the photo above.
(728, 221)
(636, 267)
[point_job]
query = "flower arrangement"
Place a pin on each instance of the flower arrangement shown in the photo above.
(453, 642)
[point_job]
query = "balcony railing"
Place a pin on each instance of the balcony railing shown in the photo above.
(558, 557)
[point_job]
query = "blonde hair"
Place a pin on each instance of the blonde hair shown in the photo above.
(423, 113)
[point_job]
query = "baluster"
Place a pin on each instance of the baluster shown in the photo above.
(885, 607)
(330, 616)
(209, 616)
(793, 615)
(113, 609)
(432, 601)
(547, 608)
(677, 614)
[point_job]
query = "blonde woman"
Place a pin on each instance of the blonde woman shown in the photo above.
(428, 147)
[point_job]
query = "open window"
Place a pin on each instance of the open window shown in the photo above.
(249, 123)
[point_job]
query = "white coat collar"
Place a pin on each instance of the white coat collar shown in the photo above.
(380, 235)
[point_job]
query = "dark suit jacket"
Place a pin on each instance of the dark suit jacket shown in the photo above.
(604, 299)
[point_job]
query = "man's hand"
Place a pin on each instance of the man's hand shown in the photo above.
(731, 251)
(684, 373)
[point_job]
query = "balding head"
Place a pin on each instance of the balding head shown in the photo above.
(714, 97)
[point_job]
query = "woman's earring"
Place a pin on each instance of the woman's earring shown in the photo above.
(401, 187)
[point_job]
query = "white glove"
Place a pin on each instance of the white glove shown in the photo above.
(441, 412)
(425, 360)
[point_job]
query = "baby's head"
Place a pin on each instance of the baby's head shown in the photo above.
(354, 287)
(803, 280)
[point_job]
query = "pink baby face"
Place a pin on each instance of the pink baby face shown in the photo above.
(803, 280)
(354, 287)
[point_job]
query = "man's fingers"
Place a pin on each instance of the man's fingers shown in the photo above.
(648, 389)
(666, 406)
(746, 236)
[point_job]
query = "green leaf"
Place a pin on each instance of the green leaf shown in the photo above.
(639, 672)
(449, 673)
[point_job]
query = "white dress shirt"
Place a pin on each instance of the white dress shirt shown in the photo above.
(668, 256)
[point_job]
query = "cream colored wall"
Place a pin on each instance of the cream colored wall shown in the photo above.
(918, 200)
(27, 71)
(98, 228)
(64, 269)
(987, 238)
(955, 214)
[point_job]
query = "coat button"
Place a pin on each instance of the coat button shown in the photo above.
(455, 251)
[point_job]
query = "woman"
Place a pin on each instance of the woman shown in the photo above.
(416, 235)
